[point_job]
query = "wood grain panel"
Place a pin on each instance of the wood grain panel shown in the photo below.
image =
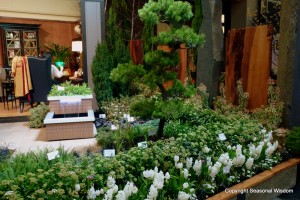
(248, 56)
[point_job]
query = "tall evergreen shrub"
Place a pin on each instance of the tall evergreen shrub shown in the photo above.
(101, 68)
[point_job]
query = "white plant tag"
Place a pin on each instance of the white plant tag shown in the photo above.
(60, 88)
(142, 144)
(113, 127)
(130, 119)
(102, 116)
(126, 116)
(222, 136)
(52, 155)
(109, 152)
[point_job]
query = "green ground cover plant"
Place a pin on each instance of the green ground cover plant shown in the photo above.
(70, 89)
(37, 115)
(293, 141)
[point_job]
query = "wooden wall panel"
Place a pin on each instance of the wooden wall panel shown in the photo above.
(248, 56)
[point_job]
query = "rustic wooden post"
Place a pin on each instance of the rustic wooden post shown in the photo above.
(288, 69)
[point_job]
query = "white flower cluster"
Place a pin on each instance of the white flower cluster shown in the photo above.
(239, 159)
(158, 182)
(92, 193)
(124, 194)
(271, 148)
(197, 167)
(214, 170)
(128, 190)
(185, 196)
(206, 149)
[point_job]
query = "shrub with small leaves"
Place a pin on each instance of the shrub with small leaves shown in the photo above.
(293, 141)
(37, 115)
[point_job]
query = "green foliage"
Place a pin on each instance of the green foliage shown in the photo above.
(116, 108)
(59, 52)
(23, 163)
(242, 96)
(101, 68)
(37, 115)
(271, 115)
(125, 137)
(175, 12)
(197, 19)
(175, 128)
(184, 35)
(117, 44)
(147, 35)
(70, 89)
(292, 143)
(5, 153)
(170, 109)
(181, 91)
(127, 72)
(138, 108)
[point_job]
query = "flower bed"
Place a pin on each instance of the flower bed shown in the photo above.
(195, 165)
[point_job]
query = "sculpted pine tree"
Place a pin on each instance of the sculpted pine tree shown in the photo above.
(160, 66)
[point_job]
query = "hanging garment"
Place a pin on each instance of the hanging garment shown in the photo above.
(2, 79)
(22, 80)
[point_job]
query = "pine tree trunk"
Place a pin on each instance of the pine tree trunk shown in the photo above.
(161, 128)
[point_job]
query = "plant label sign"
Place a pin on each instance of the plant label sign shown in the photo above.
(109, 152)
(222, 136)
(52, 155)
(102, 116)
(126, 116)
(114, 127)
(142, 145)
(130, 119)
(60, 88)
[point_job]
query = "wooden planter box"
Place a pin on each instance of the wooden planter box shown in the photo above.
(266, 185)
(70, 104)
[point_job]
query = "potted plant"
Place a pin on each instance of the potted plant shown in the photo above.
(60, 53)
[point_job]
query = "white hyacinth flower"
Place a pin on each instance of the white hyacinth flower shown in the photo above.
(185, 185)
(239, 160)
(206, 149)
(91, 193)
(189, 163)
(185, 173)
(197, 167)
(183, 196)
(77, 187)
(176, 159)
(121, 195)
(249, 163)
(110, 182)
(227, 168)
(153, 192)
(167, 176)
(179, 165)
(149, 174)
